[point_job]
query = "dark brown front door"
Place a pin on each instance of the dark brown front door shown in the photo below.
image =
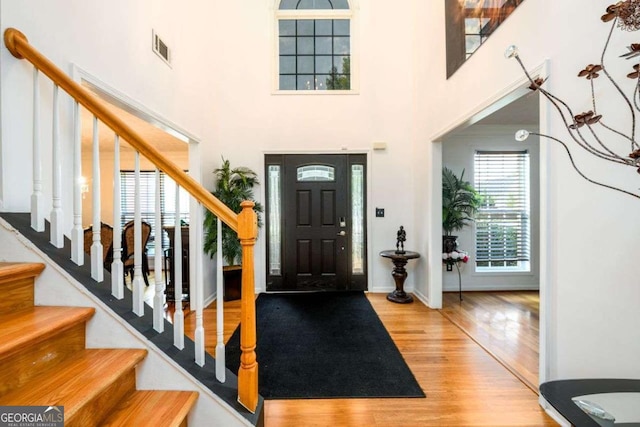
(317, 224)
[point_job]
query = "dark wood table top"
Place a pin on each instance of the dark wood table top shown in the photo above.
(393, 255)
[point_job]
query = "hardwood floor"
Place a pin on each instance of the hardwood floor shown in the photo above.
(505, 323)
(465, 385)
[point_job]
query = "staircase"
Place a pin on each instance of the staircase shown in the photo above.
(45, 363)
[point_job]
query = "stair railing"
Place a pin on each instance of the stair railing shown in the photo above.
(244, 223)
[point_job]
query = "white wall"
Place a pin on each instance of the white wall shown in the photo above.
(458, 154)
(248, 119)
(112, 42)
(592, 291)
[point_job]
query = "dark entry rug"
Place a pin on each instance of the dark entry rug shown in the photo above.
(324, 345)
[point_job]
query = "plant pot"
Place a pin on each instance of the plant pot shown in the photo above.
(449, 244)
(232, 275)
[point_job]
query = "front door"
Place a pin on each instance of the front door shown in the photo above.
(321, 238)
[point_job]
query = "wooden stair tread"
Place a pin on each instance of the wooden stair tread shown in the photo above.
(37, 324)
(17, 285)
(77, 380)
(19, 270)
(153, 408)
(42, 349)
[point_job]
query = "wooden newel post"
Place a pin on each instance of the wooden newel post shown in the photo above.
(248, 373)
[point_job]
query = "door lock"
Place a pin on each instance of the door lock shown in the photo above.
(342, 233)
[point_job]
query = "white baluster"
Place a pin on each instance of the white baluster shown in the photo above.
(220, 351)
(158, 299)
(57, 220)
(37, 207)
(117, 269)
(199, 332)
(178, 316)
(97, 260)
(138, 290)
(77, 234)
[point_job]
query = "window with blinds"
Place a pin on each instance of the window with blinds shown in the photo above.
(503, 220)
(148, 202)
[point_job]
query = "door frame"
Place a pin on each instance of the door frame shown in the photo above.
(114, 96)
(368, 195)
(507, 94)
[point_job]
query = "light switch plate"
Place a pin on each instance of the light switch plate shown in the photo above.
(379, 212)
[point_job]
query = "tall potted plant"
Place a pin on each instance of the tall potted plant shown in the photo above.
(460, 202)
(233, 186)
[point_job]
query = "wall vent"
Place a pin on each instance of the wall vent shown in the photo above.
(161, 49)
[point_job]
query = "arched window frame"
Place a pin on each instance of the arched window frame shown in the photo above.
(350, 14)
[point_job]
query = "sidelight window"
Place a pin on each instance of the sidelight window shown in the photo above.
(357, 219)
(275, 219)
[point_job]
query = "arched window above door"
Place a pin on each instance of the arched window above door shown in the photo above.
(314, 50)
(313, 4)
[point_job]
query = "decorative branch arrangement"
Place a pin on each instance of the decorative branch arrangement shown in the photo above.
(587, 128)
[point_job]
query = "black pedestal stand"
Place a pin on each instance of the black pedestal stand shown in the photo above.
(399, 274)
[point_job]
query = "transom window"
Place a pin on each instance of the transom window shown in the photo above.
(503, 220)
(316, 173)
(313, 4)
(314, 45)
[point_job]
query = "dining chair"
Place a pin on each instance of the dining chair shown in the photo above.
(128, 249)
(106, 238)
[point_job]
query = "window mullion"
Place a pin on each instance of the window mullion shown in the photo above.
(296, 50)
(315, 76)
(319, 56)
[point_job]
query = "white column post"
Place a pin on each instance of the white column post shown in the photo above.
(178, 316)
(77, 234)
(97, 259)
(199, 331)
(158, 299)
(37, 207)
(138, 289)
(117, 269)
(220, 350)
(57, 220)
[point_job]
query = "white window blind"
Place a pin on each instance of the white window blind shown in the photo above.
(148, 202)
(502, 222)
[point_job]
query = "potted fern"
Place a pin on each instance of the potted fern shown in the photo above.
(460, 202)
(233, 186)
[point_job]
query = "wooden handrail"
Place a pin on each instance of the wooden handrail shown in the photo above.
(245, 223)
(19, 47)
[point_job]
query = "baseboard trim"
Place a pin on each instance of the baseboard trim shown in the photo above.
(210, 300)
(422, 297)
(493, 288)
(551, 411)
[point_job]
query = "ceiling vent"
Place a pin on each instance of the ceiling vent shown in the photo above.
(161, 49)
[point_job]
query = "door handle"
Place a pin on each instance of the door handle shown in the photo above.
(342, 233)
